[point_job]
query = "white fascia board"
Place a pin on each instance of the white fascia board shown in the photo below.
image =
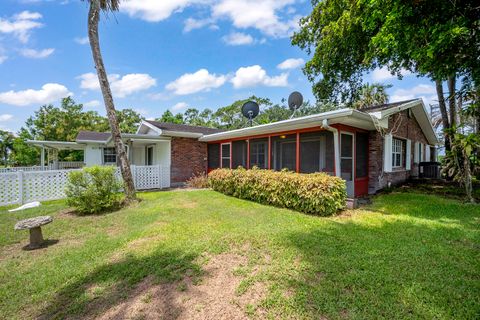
(287, 125)
(390, 111)
(150, 126)
(181, 134)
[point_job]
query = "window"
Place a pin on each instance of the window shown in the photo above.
(397, 153)
(226, 155)
(109, 155)
(346, 156)
(420, 152)
(259, 153)
(213, 156)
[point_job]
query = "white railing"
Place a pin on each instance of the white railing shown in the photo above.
(52, 166)
(26, 186)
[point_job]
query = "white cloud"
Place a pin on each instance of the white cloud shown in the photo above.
(21, 24)
(154, 11)
(201, 80)
(425, 91)
(179, 107)
(261, 15)
(3, 58)
(192, 24)
(37, 54)
(92, 104)
(49, 92)
(121, 86)
(5, 117)
(255, 75)
(291, 64)
(382, 74)
(238, 39)
(82, 41)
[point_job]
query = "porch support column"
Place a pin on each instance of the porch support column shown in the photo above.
(42, 157)
(269, 166)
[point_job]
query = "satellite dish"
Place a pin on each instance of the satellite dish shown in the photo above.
(250, 110)
(295, 100)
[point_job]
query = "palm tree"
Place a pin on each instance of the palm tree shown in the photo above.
(96, 7)
(372, 95)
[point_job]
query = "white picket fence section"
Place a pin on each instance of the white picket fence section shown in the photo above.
(57, 165)
(25, 186)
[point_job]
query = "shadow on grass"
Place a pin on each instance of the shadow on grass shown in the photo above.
(46, 243)
(111, 284)
(389, 268)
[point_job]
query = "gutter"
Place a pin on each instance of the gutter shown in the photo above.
(336, 146)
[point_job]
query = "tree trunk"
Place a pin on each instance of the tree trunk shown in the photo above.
(443, 110)
(451, 101)
(93, 19)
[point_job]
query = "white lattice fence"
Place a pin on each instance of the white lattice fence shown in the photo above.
(21, 187)
(10, 187)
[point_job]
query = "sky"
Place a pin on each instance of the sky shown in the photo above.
(159, 55)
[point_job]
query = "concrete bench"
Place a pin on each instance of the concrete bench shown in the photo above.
(35, 227)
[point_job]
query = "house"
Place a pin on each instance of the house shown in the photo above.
(369, 149)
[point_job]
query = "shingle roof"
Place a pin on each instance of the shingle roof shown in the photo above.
(93, 136)
(183, 127)
(386, 106)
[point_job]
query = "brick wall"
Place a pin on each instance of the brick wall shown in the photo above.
(189, 157)
(404, 128)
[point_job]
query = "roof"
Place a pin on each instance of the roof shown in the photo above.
(386, 106)
(351, 117)
(93, 136)
(367, 119)
(183, 127)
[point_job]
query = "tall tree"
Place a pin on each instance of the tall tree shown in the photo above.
(435, 38)
(168, 116)
(6, 146)
(96, 6)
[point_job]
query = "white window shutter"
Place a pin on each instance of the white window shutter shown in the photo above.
(415, 153)
(408, 155)
(427, 153)
(387, 153)
(422, 152)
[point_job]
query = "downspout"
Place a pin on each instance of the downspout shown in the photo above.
(336, 146)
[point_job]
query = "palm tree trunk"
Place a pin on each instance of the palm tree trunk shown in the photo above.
(443, 111)
(93, 19)
(451, 101)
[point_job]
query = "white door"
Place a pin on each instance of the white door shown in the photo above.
(346, 162)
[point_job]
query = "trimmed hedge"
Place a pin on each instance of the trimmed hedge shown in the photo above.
(315, 193)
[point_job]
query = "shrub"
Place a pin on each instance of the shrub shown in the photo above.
(198, 181)
(316, 193)
(93, 190)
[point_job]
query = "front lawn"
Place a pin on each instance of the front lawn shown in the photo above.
(200, 254)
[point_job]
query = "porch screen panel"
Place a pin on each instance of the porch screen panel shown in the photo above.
(259, 153)
(213, 156)
(284, 152)
(316, 152)
(361, 155)
(226, 155)
(239, 154)
(346, 154)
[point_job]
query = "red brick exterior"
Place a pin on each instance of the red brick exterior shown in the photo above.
(404, 127)
(189, 157)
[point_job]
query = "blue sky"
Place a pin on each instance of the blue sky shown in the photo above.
(160, 55)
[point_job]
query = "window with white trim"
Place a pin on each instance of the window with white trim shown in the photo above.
(109, 156)
(397, 153)
(226, 155)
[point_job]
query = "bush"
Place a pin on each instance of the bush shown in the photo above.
(93, 190)
(316, 193)
(198, 181)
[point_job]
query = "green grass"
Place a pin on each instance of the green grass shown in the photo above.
(407, 256)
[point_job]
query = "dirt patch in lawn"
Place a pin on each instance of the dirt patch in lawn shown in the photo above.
(214, 297)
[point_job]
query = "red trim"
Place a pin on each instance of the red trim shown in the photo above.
(312, 129)
(344, 127)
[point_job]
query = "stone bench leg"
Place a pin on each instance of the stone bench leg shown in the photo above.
(36, 237)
